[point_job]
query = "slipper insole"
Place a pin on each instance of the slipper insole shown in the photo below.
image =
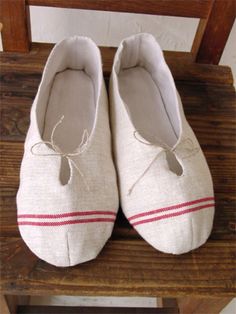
(72, 96)
(145, 104)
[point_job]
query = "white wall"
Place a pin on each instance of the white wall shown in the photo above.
(108, 29)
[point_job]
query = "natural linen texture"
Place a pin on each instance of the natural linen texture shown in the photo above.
(68, 199)
(165, 185)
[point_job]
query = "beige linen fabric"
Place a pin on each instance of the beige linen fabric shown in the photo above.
(67, 224)
(173, 212)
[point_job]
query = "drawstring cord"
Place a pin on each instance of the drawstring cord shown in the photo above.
(58, 152)
(187, 144)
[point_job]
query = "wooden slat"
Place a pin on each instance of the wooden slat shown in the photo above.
(180, 63)
(216, 32)
(92, 310)
(190, 8)
(202, 305)
(224, 223)
(123, 268)
(210, 109)
(14, 16)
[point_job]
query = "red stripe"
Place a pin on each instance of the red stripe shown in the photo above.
(71, 214)
(155, 211)
(186, 211)
(61, 223)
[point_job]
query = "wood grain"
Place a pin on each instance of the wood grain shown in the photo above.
(123, 268)
(216, 31)
(181, 64)
(14, 15)
(210, 109)
(190, 8)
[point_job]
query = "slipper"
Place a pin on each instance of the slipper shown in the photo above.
(67, 199)
(165, 184)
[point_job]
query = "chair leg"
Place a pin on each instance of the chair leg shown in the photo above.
(167, 305)
(4, 305)
(9, 303)
(191, 305)
(170, 302)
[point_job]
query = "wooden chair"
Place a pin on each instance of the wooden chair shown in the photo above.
(202, 281)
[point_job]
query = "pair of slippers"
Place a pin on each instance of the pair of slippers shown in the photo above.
(68, 196)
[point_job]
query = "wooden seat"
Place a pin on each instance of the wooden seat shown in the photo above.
(203, 281)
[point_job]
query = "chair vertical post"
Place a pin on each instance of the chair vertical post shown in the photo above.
(14, 16)
(214, 31)
(198, 37)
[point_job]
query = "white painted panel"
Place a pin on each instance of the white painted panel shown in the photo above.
(109, 28)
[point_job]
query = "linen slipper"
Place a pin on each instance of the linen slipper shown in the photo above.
(67, 199)
(165, 184)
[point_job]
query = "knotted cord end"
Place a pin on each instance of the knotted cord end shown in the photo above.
(58, 152)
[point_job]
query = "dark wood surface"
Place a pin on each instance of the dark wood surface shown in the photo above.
(127, 266)
(190, 8)
(216, 31)
(33, 63)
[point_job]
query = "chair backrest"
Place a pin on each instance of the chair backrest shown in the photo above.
(216, 20)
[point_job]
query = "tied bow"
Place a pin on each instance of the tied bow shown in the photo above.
(58, 152)
(187, 146)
